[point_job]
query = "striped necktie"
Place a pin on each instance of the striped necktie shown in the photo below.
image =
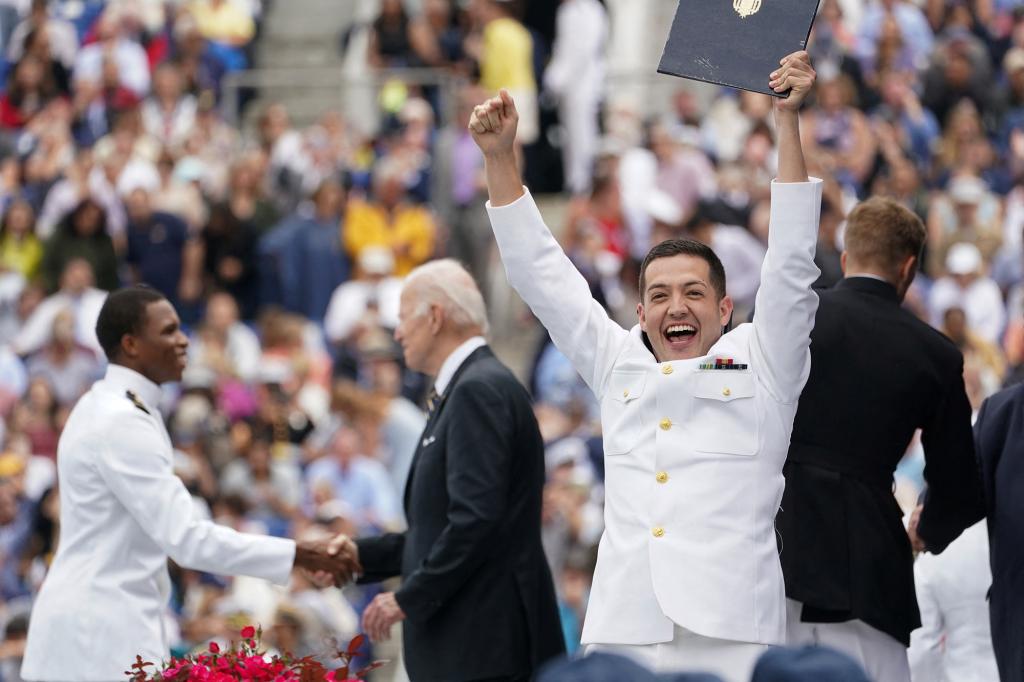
(432, 400)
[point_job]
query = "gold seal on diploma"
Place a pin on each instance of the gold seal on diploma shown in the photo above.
(745, 8)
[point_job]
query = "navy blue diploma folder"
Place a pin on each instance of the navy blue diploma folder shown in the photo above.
(737, 43)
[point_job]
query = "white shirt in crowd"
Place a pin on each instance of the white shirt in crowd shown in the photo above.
(172, 127)
(350, 302)
(38, 328)
(64, 197)
(242, 348)
(954, 642)
(60, 34)
(130, 57)
(981, 301)
(742, 255)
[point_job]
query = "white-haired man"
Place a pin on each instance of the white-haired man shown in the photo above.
(477, 596)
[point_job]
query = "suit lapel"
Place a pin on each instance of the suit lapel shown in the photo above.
(428, 430)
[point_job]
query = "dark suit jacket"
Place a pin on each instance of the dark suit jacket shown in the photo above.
(476, 591)
(999, 436)
(877, 374)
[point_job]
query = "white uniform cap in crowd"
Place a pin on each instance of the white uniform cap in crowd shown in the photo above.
(967, 189)
(963, 259)
(663, 208)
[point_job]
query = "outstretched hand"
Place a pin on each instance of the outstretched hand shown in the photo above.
(334, 561)
(795, 74)
(493, 125)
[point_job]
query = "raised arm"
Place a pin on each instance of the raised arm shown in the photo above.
(535, 264)
(785, 305)
(795, 74)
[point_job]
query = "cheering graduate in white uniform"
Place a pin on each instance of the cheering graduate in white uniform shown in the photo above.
(696, 421)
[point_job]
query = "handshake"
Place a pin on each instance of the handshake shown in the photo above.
(329, 561)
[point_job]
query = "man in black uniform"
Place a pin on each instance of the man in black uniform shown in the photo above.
(877, 375)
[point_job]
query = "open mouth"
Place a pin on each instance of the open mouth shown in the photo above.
(680, 336)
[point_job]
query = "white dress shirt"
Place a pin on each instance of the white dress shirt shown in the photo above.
(954, 642)
(693, 455)
(454, 361)
(123, 512)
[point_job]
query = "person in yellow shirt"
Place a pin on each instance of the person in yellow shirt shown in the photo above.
(390, 221)
(506, 61)
(223, 21)
(20, 249)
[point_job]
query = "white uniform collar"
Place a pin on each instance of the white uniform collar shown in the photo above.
(130, 380)
(455, 360)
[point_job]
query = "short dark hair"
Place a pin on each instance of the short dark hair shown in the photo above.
(883, 233)
(124, 312)
(686, 247)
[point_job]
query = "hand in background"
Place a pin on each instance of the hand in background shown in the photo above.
(382, 613)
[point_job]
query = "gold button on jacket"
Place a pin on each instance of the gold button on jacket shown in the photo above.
(665, 424)
(657, 531)
(666, 369)
(661, 477)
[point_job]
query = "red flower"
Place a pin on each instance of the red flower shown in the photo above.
(248, 631)
(214, 648)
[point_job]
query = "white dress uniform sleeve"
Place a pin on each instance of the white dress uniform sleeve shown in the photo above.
(556, 292)
(136, 465)
(785, 305)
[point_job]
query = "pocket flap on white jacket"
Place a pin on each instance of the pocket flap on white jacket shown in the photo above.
(625, 386)
(724, 384)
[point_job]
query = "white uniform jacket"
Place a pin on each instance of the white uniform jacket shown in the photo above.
(693, 458)
(123, 512)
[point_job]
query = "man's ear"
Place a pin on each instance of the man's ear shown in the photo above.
(641, 317)
(909, 269)
(435, 318)
(842, 262)
(129, 346)
(725, 307)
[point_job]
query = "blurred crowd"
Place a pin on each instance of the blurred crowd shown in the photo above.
(283, 248)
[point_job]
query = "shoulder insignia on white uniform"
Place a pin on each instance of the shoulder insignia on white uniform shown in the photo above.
(135, 401)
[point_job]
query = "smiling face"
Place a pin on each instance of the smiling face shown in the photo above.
(681, 313)
(160, 348)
